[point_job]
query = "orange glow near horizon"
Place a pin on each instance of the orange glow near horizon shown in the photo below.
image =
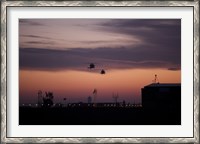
(76, 86)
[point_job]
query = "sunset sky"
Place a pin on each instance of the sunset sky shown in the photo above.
(54, 55)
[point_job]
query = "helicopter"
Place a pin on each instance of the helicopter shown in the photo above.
(102, 71)
(91, 66)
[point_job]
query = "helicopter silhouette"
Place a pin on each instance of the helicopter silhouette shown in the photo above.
(91, 66)
(103, 71)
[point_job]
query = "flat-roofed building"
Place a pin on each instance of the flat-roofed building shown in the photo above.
(162, 96)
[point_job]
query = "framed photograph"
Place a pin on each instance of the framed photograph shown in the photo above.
(99, 71)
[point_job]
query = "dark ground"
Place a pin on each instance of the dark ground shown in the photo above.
(97, 116)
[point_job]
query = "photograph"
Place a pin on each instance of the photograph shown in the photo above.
(99, 71)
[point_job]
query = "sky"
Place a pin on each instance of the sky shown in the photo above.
(54, 55)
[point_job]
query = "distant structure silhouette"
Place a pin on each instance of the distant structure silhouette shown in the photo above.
(89, 100)
(65, 101)
(115, 97)
(124, 103)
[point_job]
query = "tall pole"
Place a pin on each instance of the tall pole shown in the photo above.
(39, 97)
(94, 95)
(65, 102)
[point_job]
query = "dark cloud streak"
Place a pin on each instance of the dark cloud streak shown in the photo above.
(78, 59)
(34, 36)
(40, 37)
(30, 22)
(41, 42)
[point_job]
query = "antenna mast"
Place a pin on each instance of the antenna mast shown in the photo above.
(156, 79)
(115, 97)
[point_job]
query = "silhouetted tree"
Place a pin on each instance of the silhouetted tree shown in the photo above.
(48, 99)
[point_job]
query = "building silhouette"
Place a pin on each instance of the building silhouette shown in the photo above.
(89, 100)
(162, 96)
